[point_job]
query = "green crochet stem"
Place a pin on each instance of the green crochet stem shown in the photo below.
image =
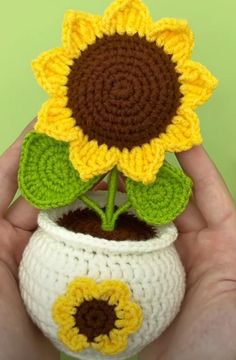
(112, 188)
(93, 206)
(122, 210)
(110, 216)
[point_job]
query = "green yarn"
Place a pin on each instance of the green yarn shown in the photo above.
(93, 205)
(47, 179)
(161, 202)
(121, 210)
(112, 189)
(110, 215)
(46, 176)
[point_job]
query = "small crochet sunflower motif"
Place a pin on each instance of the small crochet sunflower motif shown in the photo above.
(123, 91)
(98, 316)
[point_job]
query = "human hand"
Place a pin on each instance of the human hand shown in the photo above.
(206, 325)
(19, 337)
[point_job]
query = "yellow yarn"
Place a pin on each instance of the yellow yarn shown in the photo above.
(79, 31)
(142, 163)
(176, 37)
(183, 132)
(126, 16)
(90, 159)
(55, 119)
(115, 292)
(51, 70)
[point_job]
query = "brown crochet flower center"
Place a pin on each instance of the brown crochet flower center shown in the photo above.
(123, 91)
(95, 317)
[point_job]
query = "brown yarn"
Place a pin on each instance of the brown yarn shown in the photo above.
(123, 91)
(128, 227)
(95, 317)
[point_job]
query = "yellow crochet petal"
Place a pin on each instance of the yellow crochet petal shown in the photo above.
(197, 83)
(51, 70)
(72, 340)
(110, 345)
(82, 289)
(141, 164)
(114, 291)
(183, 133)
(80, 30)
(130, 318)
(55, 120)
(127, 16)
(63, 310)
(176, 37)
(91, 159)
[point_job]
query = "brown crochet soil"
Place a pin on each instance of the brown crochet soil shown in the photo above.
(128, 227)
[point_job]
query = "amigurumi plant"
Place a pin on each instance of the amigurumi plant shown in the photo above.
(100, 276)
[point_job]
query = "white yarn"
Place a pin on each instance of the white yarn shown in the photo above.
(151, 268)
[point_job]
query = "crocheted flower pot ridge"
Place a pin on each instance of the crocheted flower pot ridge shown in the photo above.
(100, 276)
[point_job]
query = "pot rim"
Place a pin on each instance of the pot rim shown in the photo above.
(166, 234)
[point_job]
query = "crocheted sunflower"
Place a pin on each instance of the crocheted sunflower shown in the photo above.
(100, 316)
(123, 90)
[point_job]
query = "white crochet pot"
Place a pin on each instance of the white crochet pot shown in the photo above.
(55, 256)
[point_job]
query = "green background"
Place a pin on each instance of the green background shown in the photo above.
(28, 28)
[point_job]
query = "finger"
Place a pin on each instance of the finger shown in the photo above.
(191, 219)
(212, 196)
(22, 215)
(9, 163)
(19, 247)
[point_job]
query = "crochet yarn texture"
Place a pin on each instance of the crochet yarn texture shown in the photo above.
(100, 316)
(123, 90)
(165, 199)
(128, 226)
(119, 87)
(46, 176)
(56, 257)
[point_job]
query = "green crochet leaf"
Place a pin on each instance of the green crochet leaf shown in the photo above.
(47, 178)
(165, 199)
